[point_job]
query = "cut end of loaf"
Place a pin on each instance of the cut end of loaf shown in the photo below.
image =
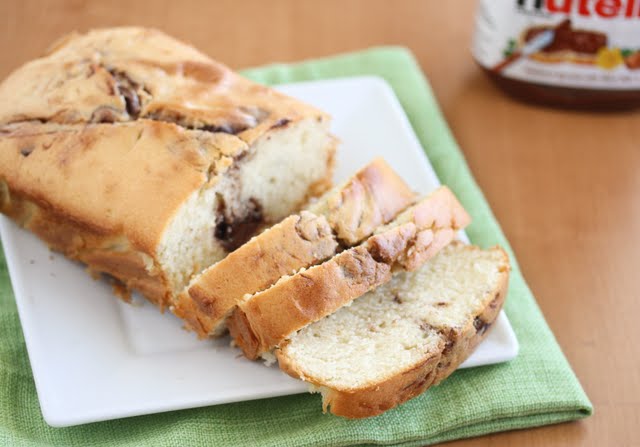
(272, 180)
(419, 325)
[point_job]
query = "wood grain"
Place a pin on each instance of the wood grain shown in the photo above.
(564, 185)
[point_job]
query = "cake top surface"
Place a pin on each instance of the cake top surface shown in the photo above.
(116, 128)
(124, 74)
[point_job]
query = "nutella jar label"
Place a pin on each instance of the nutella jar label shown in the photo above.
(566, 43)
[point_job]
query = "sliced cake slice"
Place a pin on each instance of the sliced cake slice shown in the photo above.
(264, 320)
(342, 217)
(398, 340)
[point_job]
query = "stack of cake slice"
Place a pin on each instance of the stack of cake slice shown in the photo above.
(362, 294)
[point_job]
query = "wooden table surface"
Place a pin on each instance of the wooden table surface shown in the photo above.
(564, 185)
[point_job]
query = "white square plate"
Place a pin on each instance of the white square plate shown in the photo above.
(96, 358)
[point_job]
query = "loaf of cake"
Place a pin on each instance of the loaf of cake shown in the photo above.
(143, 158)
(139, 156)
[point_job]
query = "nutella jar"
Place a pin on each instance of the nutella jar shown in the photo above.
(570, 53)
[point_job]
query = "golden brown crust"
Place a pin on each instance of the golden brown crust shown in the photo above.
(101, 176)
(111, 255)
(455, 347)
(143, 73)
(113, 130)
(438, 218)
(298, 241)
(371, 197)
(92, 185)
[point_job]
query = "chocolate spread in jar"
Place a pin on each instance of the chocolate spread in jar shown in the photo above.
(565, 38)
(570, 53)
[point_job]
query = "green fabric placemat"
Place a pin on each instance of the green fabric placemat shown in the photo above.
(536, 388)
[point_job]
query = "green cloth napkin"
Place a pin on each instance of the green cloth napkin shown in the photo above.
(536, 388)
